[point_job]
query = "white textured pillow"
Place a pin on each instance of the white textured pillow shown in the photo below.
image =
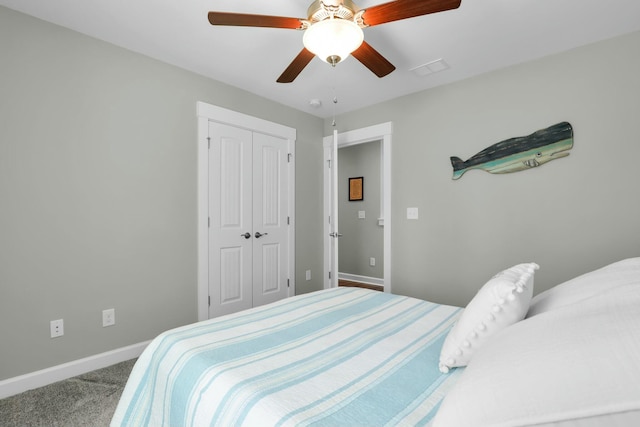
(502, 301)
(573, 291)
(578, 362)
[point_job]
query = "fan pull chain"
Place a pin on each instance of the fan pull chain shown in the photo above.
(335, 102)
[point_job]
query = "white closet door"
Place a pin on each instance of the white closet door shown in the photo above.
(230, 210)
(270, 201)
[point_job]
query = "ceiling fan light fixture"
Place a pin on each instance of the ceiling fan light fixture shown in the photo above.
(332, 40)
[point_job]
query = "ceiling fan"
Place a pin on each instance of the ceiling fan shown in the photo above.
(333, 30)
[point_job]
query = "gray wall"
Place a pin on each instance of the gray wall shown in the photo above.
(98, 184)
(362, 238)
(98, 192)
(570, 215)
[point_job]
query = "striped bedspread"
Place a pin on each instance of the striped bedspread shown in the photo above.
(338, 357)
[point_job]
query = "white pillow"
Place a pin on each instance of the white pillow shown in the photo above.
(577, 362)
(502, 301)
(587, 285)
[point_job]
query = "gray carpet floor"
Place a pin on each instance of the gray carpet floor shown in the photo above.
(87, 400)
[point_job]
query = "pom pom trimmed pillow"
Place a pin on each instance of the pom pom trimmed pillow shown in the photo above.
(502, 301)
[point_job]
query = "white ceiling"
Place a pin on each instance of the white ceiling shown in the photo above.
(480, 36)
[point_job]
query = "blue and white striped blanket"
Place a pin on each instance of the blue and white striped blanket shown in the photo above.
(338, 357)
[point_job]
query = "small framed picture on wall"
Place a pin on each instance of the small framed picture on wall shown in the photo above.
(356, 189)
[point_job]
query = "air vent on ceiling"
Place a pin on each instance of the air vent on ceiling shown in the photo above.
(430, 67)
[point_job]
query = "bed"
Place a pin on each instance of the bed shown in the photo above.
(569, 356)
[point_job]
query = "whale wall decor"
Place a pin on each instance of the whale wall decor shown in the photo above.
(520, 153)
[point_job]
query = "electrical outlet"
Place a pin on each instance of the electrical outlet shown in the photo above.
(108, 317)
(308, 274)
(57, 328)
(372, 262)
(361, 215)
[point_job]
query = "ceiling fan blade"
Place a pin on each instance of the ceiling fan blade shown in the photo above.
(296, 67)
(372, 59)
(247, 20)
(403, 9)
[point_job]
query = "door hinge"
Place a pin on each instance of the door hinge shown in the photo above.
(329, 275)
(329, 163)
(209, 222)
(289, 155)
(209, 300)
(288, 283)
(288, 221)
(209, 142)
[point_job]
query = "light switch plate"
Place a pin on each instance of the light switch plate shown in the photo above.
(412, 213)
(108, 317)
(361, 214)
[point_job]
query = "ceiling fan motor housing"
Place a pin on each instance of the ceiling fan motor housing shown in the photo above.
(326, 9)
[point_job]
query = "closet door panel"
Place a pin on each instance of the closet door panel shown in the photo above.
(271, 265)
(270, 201)
(230, 210)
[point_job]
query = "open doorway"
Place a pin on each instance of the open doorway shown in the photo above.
(381, 135)
(360, 211)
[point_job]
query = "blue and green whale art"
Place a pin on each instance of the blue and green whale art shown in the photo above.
(520, 153)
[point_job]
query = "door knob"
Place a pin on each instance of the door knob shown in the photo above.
(246, 235)
(259, 235)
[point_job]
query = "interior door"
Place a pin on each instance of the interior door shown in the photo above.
(331, 210)
(270, 219)
(335, 233)
(249, 228)
(228, 181)
(231, 220)
(383, 133)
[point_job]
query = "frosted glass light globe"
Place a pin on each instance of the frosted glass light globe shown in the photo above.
(332, 40)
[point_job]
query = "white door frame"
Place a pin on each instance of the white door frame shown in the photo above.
(383, 133)
(206, 113)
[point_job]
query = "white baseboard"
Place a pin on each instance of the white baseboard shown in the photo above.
(362, 279)
(22, 383)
